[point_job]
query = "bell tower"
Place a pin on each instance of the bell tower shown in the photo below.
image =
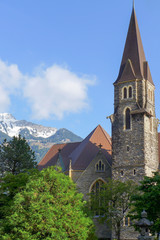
(134, 123)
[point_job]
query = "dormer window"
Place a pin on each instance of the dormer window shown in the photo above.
(100, 167)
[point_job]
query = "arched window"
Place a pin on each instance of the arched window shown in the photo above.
(124, 92)
(96, 197)
(100, 166)
(127, 119)
(130, 92)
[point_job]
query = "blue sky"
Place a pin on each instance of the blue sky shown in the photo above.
(59, 58)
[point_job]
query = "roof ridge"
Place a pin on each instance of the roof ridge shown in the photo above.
(81, 147)
(106, 135)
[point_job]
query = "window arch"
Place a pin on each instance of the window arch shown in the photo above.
(124, 92)
(130, 92)
(100, 167)
(127, 119)
(96, 198)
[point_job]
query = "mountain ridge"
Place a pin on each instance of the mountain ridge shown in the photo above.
(39, 137)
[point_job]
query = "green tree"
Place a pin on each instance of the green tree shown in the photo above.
(16, 156)
(148, 198)
(10, 185)
(49, 207)
(112, 202)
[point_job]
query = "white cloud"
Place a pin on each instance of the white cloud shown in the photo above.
(51, 92)
(10, 76)
(10, 81)
(56, 91)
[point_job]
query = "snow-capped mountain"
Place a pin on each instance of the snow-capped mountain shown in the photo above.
(40, 138)
(12, 127)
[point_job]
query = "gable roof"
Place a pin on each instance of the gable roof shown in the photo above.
(80, 153)
(89, 147)
(134, 52)
(51, 157)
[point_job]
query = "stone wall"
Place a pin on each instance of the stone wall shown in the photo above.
(134, 151)
(85, 182)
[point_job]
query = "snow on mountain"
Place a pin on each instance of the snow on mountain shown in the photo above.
(12, 127)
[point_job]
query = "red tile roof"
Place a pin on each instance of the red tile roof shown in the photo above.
(81, 153)
(89, 147)
(51, 157)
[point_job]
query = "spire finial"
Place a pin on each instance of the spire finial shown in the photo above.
(133, 4)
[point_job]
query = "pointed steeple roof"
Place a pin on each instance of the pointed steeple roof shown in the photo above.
(134, 53)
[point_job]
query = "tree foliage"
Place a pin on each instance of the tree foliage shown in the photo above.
(49, 207)
(16, 156)
(10, 185)
(113, 202)
(148, 198)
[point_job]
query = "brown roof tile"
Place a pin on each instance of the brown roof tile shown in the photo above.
(89, 147)
(51, 157)
(134, 52)
(81, 153)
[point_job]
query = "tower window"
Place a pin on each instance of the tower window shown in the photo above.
(130, 92)
(125, 93)
(134, 172)
(127, 119)
(100, 166)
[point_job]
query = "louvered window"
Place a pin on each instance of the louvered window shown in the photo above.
(130, 92)
(125, 93)
(127, 119)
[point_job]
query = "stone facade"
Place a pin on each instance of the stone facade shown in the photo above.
(134, 123)
(134, 150)
(85, 182)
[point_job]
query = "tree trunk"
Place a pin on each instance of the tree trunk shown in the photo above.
(118, 231)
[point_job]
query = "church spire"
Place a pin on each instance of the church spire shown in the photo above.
(133, 65)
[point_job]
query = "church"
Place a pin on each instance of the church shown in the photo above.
(133, 150)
